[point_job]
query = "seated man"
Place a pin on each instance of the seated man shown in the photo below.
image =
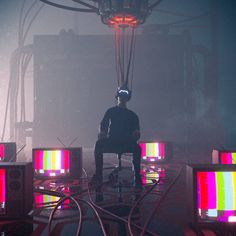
(119, 132)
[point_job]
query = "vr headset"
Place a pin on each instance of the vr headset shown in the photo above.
(123, 92)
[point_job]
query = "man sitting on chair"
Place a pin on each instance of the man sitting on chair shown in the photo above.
(119, 132)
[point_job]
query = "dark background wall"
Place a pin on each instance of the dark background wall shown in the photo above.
(208, 96)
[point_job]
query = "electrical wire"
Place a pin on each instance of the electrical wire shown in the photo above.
(124, 53)
(86, 4)
(132, 66)
(18, 66)
(120, 57)
(22, 24)
(130, 56)
(136, 204)
(154, 4)
(80, 223)
(111, 214)
(117, 58)
(60, 194)
(31, 22)
(8, 99)
(20, 21)
(160, 201)
(55, 208)
(23, 72)
(69, 8)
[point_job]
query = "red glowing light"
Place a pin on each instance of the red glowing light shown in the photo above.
(123, 21)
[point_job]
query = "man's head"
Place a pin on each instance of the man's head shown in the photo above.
(123, 94)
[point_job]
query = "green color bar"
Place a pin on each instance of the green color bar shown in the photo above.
(220, 191)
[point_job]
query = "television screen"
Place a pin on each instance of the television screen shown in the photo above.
(57, 162)
(7, 152)
(153, 151)
(151, 174)
(2, 191)
(42, 200)
(16, 189)
(212, 192)
(223, 156)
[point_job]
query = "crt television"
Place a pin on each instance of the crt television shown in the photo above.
(16, 189)
(152, 174)
(211, 194)
(57, 162)
(153, 151)
(49, 201)
(223, 156)
(8, 152)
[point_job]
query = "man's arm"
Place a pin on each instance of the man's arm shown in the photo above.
(103, 128)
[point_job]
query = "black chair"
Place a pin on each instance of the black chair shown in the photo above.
(114, 175)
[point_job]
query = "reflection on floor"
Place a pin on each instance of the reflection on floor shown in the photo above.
(115, 207)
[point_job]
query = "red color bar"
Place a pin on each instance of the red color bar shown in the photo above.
(2, 151)
(2, 185)
(202, 190)
(162, 149)
(224, 158)
(38, 160)
(66, 159)
(143, 149)
(39, 199)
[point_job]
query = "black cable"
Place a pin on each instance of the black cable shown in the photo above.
(111, 214)
(55, 208)
(120, 57)
(154, 4)
(137, 202)
(160, 201)
(31, 22)
(130, 57)
(116, 58)
(17, 77)
(21, 29)
(60, 194)
(123, 53)
(8, 98)
(132, 67)
(23, 72)
(68, 8)
(20, 22)
(121, 69)
(86, 5)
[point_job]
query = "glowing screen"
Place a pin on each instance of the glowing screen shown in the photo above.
(228, 157)
(2, 191)
(2, 152)
(42, 200)
(52, 162)
(151, 174)
(216, 196)
(152, 151)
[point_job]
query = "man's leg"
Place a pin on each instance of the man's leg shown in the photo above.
(136, 164)
(136, 150)
(98, 155)
(100, 146)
